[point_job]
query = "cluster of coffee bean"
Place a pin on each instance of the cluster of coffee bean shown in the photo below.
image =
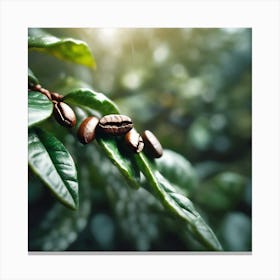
(110, 125)
(118, 125)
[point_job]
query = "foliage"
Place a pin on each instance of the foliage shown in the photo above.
(39, 107)
(126, 201)
(54, 165)
(69, 49)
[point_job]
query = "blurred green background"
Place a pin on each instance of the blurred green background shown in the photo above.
(192, 88)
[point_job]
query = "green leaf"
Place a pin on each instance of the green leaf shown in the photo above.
(32, 79)
(51, 161)
(113, 148)
(67, 49)
(179, 205)
(39, 107)
(177, 170)
(90, 99)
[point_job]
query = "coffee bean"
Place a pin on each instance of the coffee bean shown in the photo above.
(152, 146)
(86, 132)
(134, 141)
(64, 114)
(115, 124)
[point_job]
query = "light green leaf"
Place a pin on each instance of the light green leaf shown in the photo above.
(67, 49)
(51, 161)
(39, 107)
(90, 99)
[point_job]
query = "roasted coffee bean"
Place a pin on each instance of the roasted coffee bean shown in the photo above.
(64, 114)
(134, 141)
(152, 146)
(86, 132)
(115, 124)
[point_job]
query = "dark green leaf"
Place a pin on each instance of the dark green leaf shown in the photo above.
(67, 49)
(177, 170)
(51, 161)
(93, 100)
(180, 206)
(39, 107)
(32, 79)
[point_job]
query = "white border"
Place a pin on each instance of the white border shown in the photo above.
(262, 16)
